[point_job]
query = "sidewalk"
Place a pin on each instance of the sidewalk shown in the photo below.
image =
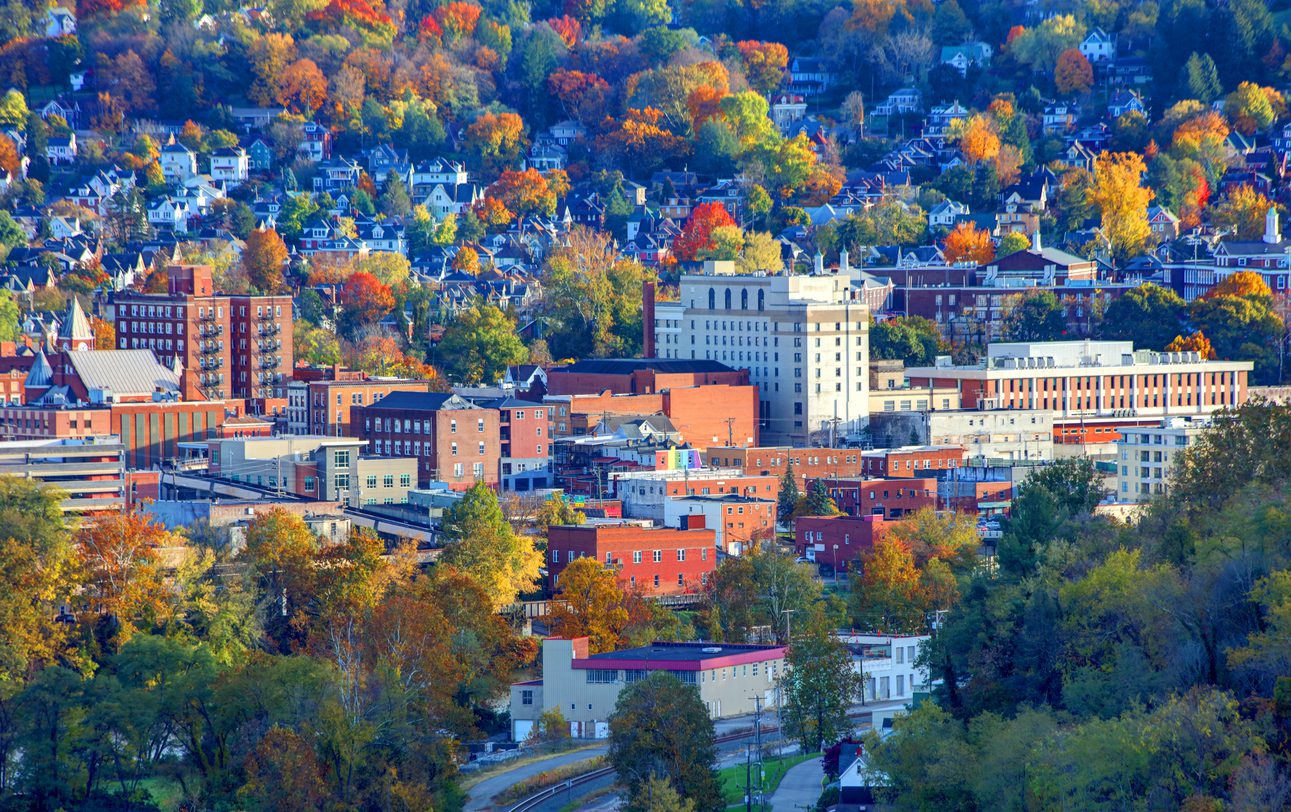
(800, 788)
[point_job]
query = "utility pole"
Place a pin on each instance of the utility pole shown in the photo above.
(730, 432)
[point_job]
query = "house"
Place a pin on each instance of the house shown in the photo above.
(786, 108)
(169, 213)
(68, 110)
(945, 213)
(343, 173)
(231, 165)
(259, 156)
(1164, 224)
(1080, 156)
(809, 75)
(905, 100)
(438, 172)
(1126, 101)
(61, 149)
(316, 144)
(385, 160)
(942, 117)
(178, 162)
(961, 57)
(60, 22)
(1098, 46)
(1021, 206)
(1059, 117)
(255, 118)
(546, 157)
(566, 132)
(443, 200)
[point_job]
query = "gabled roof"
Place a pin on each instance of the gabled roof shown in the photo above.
(424, 401)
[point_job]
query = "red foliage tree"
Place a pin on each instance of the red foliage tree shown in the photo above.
(568, 28)
(89, 8)
(583, 96)
(366, 298)
(698, 231)
(458, 19)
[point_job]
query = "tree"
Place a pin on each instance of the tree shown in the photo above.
(495, 140)
(11, 234)
(640, 142)
(1200, 78)
(819, 686)
(657, 795)
(1148, 315)
(1195, 342)
(764, 63)
(482, 544)
(1252, 108)
(524, 193)
(123, 577)
(583, 96)
(789, 494)
(1242, 212)
(390, 268)
(590, 603)
(593, 298)
(1242, 284)
(1013, 242)
(1073, 74)
(365, 299)
(479, 345)
(886, 594)
(912, 339)
(978, 139)
(696, 234)
(10, 160)
(13, 109)
(1122, 201)
(1035, 316)
(967, 243)
(818, 502)
(263, 260)
(661, 729)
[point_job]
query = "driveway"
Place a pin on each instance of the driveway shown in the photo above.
(799, 789)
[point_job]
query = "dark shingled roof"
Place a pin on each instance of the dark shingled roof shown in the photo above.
(626, 366)
(424, 401)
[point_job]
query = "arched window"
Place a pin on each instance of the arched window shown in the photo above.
(712, 299)
(762, 300)
(728, 298)
(744, 300)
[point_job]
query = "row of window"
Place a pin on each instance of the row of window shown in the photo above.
(637, 556)
(387, 481)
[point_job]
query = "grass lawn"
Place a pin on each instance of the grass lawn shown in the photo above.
(165, 791)
(731, 779)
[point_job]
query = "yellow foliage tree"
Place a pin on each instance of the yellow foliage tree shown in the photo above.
(1122, 201)
(1242, 212)
(967, 243)
(1242, 283)
(1196, 342)
(978, 139)
(590, 604)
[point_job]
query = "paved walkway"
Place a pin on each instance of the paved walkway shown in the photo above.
(799, 789)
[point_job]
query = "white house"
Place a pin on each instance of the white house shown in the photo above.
(1098, 46)
(944, 214)
(61, 149)
(169, 213)
(962, 57)
(231, 165)
(178, 162)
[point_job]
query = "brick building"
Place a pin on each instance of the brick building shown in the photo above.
(890, 498)
(911, 461)
(837, 540)
(240, 346)
(644, 493)
(639, 376)
(703, 415)
(738, 520)
(329, 403)
(454, 440)
(326, 468)
(808, 463)
(655, 560)
(524, 433)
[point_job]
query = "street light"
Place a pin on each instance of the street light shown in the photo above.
(835, 565)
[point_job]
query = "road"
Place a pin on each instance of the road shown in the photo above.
(799, 789)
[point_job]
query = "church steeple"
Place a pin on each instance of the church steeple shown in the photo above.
(75, 333)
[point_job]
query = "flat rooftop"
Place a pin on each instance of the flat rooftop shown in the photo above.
(658, 654)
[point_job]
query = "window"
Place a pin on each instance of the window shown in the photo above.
(372, 481)
(658, 556)
(342, 482)
(602, 676)
(458, 469)
(479, 424)
(342, 459)
(636, 556)
(681, 579)
(478, 470)
(632, 675)
(681, 555)
(387, 481)
(656, 582)
(452, 426)
(454, 449)
(405, 480)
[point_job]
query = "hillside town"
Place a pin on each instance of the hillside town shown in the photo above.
(668, 407)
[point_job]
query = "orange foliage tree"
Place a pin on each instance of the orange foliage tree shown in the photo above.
(366, 298)
(697, 234)
(978, 139)
(567, 28)
(640, 141)
(1196, 342)
(967, 243)
(524, 193)
(458, 19)
(1242, 283)
(583, 96)
(118, 555)
(91, 8)
(10, 161)
(302, 88)
(1072, 74)
(263, 259)
(366, 17)
(495, 140)
(105, 335)
(764, 64)
(493, 213)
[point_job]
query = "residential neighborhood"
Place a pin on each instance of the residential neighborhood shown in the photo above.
(413, 405)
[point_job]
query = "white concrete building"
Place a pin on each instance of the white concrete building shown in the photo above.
(1146, 456)
(804, 340)
(888, 664)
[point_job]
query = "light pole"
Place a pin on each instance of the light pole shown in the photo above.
(835, 565)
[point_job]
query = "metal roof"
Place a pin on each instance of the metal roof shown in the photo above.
(123, 372)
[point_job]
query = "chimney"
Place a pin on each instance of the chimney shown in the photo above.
(844, 267)
(1272, 234)
(1035, 241)
(818, 264)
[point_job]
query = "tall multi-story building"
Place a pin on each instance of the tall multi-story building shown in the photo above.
(454, 440)
(239, 346)
(804, 340)
(1146, 456)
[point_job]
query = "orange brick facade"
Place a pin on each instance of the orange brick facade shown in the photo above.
(704, 415)
(657, 561)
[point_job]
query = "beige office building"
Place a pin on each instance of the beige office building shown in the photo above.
(1146, 456)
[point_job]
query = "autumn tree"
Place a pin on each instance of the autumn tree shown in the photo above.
(1122, 201)
(583, 96)
(886, 594)
(696, 234)
(524, 193)
(978, 139)
(1073, 74)
(819, 684)
(365, 299)
(640, 141)
(593, 297)
(764, 64)
(458, 19)
(967, 243)
(1193, 342)
(302, 87)
(1242, 283)
(122, 571)
(590, 603)
(1252, 108)
(1242, 212)
(263, 260)
(481, 543)
(495, 141)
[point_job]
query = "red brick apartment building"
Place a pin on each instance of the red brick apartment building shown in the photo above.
(454, 440)
(890, 498)
(658, 561)
(239, 346)
(912, 461)
(639, 376)
(331, 402)
(808, 463)
(837, 540)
